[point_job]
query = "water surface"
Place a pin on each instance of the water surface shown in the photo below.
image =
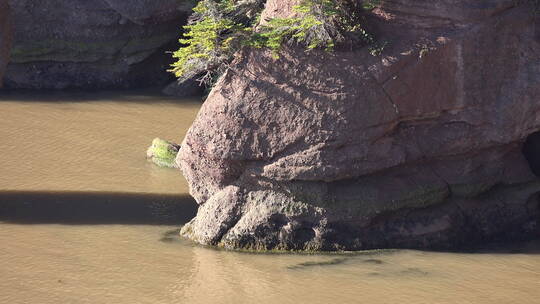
(89, 142)
(84, 218)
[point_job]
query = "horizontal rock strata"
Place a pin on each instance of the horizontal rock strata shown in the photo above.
(91, 44)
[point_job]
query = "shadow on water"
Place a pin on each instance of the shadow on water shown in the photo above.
(93, 208)
(336, 261)
(170, 236)
(89, 208)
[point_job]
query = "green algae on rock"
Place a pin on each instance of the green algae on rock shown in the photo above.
(163, 153)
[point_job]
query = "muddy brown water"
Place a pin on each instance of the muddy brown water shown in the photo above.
(84, 218)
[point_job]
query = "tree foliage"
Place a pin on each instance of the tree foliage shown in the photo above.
(219, 28)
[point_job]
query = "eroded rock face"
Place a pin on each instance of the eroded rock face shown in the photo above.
(420, 147)
(5, 37)
(89, 44)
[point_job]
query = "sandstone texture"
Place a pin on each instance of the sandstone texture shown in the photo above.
(420, 147)
(5, 37)
(93, 43)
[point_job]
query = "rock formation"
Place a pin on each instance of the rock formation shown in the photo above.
(5, 37)
(89, 44)
(420, 147)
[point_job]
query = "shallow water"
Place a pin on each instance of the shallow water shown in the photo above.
(89, 142)
(149, 264)
(84, 218)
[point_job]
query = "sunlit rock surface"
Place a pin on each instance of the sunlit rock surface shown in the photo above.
(420, 147)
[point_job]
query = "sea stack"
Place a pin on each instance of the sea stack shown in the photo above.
(418, 147)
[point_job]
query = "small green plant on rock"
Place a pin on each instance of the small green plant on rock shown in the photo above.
(317, 24)
(163, 153)
(219, 28)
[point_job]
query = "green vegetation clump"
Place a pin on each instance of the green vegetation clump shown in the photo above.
(317, 24)
(210, 39)
(163, 153)
(219, 28)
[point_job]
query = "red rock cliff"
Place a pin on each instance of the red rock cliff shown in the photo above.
(419, 147)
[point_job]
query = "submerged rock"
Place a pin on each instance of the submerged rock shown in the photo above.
(163, 153)
(5, 37)
(94, 44)
(419, 148)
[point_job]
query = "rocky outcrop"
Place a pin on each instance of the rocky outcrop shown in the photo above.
(420, 147)
(5, 37)
(89, 44)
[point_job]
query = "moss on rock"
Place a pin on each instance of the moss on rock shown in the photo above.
(163, 153)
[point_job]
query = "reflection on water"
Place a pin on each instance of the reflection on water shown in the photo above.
(85, 219)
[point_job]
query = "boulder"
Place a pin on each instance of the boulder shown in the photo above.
(5, 37)
(94, 44)
(420, 147)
